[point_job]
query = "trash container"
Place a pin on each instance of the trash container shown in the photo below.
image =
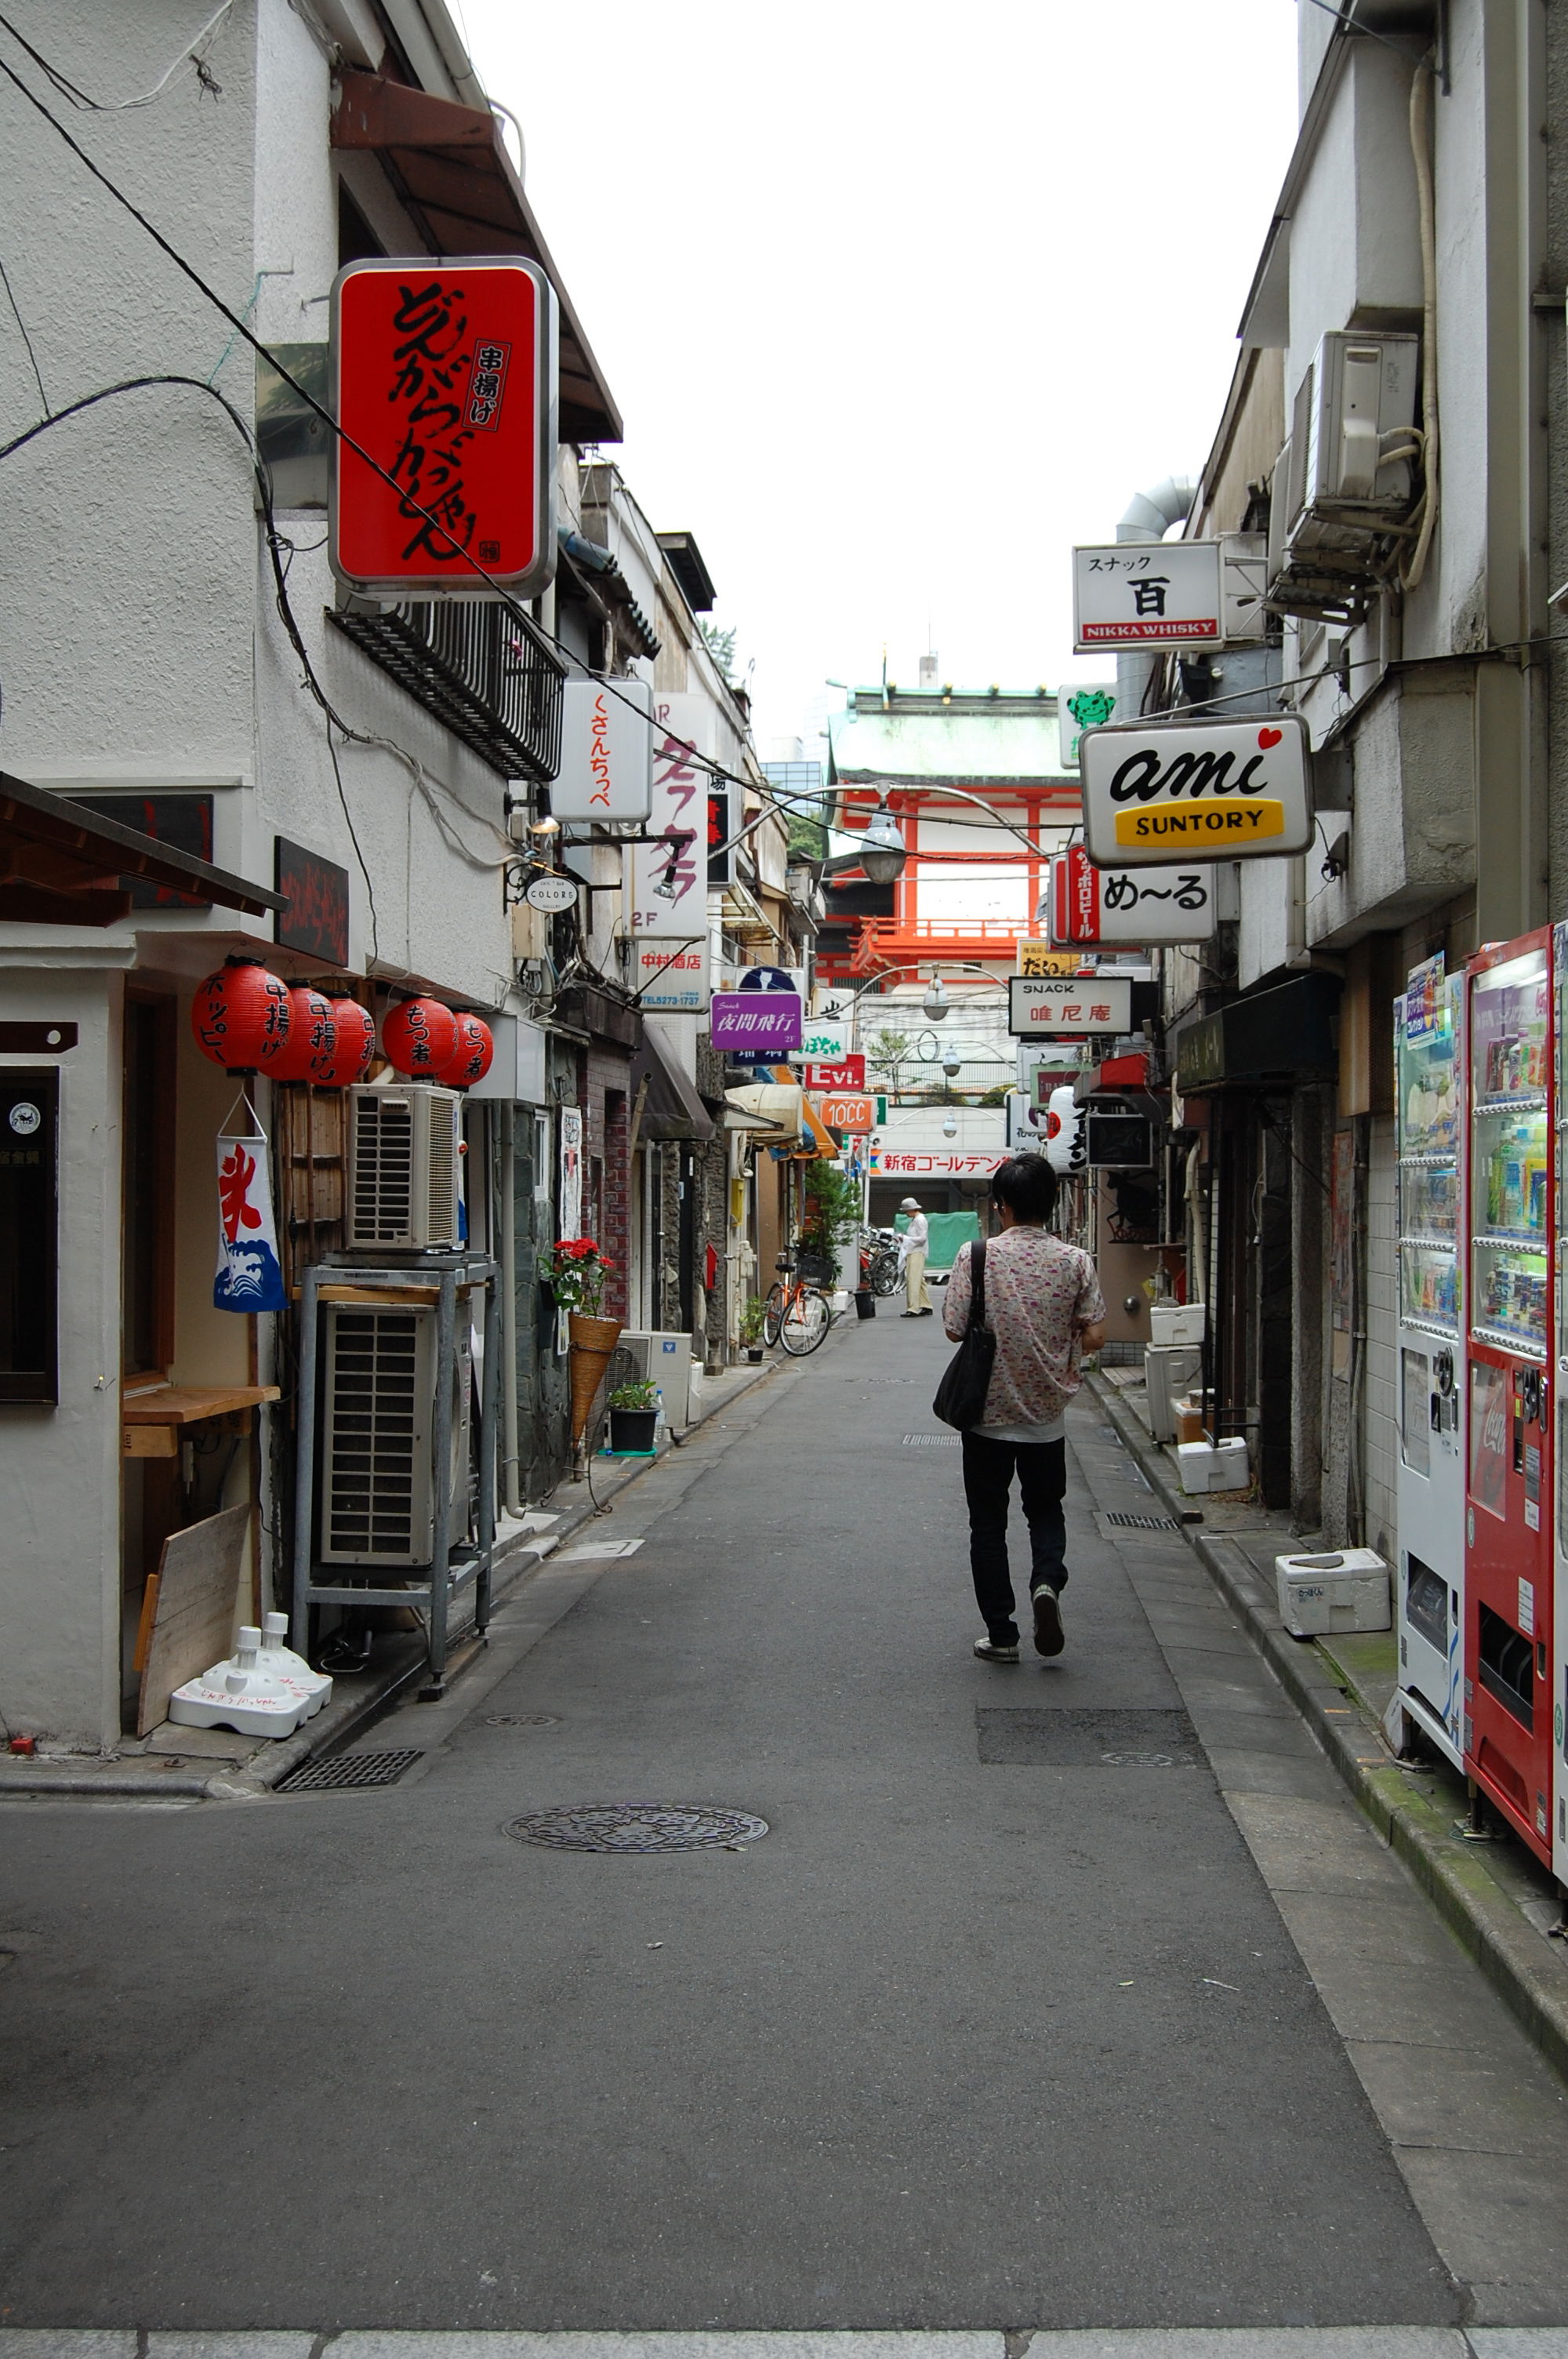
(865, 1303)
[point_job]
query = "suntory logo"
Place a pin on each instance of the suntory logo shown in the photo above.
(1203, 791)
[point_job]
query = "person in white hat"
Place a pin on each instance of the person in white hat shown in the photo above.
(913, 1247)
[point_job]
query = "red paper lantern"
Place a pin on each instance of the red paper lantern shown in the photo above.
(476, 1049)
(307, 1053)
(419, 1037)
(239, 1016)
(356, 1045)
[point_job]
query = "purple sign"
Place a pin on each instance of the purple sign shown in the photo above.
(753, 1021)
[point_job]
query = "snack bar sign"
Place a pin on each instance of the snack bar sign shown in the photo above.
(1119, 905)
(1196, 790)
(1067, 1011)
(443, 377)
(1165, 594)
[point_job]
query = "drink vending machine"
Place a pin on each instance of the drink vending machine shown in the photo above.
(1429, 1064)
(1557, 1699)
(1509, 1566)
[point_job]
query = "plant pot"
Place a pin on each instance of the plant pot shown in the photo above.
(754, 1353)
(633, 1429)
(865, 1303)
(593, 1343)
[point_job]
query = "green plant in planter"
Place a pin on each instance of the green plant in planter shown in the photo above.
(832, 1208)
(635, 1395)
(751, 1314)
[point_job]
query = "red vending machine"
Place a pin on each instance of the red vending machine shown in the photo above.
(1507, 1516)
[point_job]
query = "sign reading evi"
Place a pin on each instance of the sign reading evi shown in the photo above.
(1196, 790)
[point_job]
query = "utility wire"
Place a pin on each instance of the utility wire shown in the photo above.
(16, 314)
(194, 53)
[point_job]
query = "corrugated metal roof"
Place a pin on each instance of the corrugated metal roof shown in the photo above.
(924, 738)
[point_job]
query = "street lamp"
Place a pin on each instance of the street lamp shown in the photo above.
(950, 1127)
(952, 1064)
(935, 1001)
(882, 847)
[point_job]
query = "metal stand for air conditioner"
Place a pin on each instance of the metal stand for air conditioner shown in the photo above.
(450, 1569)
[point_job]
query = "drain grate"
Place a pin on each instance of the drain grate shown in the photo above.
(1124, 1522)
(348, 1769)
(932, 1441)
(1081, 1738)
(640, 1827)
(522, 1720)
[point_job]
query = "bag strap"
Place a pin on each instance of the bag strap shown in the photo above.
(977, 1284)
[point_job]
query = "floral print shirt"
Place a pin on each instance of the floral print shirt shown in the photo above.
(1040, 1294)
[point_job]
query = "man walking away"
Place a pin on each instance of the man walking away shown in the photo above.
(912, 1246)
(1043, 1304)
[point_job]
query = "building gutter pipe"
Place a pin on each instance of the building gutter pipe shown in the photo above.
(1149, 517)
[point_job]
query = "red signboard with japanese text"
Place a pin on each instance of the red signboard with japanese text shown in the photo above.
(444, 387)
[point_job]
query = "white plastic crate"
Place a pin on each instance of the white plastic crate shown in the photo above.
(1213, 1465)
(1176, 1322)
(1344, 1588)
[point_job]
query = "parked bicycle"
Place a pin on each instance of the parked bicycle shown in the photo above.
(799, 1311)
(878, 1260)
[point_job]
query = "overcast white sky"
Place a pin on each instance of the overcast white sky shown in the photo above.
(898, 302)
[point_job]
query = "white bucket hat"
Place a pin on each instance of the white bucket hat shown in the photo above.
(909, 1204)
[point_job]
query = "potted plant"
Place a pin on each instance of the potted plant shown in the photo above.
(752, 1316)
(633, 1414)
(575, 1271)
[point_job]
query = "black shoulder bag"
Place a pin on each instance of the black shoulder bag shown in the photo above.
(961, 1394)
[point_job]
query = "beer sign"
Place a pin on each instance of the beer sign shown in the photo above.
(1196, 790)
(1163, 593)
(1092, 905)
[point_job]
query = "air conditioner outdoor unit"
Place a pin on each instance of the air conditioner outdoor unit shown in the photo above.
(1344, 484)
(377, 1479)
(402, 1167)
(663, 1356)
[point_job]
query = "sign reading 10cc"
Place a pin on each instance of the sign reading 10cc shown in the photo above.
(1196, 790)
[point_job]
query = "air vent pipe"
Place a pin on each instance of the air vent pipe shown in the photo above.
(1149, 517)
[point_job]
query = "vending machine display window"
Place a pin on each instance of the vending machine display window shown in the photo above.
(1511, 1160)
(1425, 1050)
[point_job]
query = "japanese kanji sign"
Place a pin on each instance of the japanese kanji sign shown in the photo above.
(1163, 594)
(754, 1020)
(606, 769)
(1095, 1003)
(1117, 905)
(670, 978)
(895, 1164)
(1205, 790)
(1040, 957)
(669, 887)
(248, 1276)
(444, 376)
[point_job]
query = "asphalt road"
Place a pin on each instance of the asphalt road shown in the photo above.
(961, 2042)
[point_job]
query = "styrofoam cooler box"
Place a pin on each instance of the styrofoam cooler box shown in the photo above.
(1176, 1322)
(1344, 1588)
(1168, 1370)
(1213, 1465)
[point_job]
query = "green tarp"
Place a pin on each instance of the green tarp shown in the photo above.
(949, 1232)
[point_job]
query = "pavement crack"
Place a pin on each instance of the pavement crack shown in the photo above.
(1015, 2343)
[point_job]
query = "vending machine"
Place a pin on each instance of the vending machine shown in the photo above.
(1509, 1566)
(1429, 1064)
(1558, 1657)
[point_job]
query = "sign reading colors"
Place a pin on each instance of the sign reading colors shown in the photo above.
(444, 376)
(1196, 790)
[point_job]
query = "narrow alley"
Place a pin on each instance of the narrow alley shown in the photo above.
(1069, 1994)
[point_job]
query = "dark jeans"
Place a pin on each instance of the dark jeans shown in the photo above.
(1042, 1468)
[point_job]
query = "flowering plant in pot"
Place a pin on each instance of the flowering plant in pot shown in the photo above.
(634, 1415)
(575, 1272)
(752, 1315)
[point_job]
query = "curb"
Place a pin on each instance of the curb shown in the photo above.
(346, 1716)
(1481, 1914)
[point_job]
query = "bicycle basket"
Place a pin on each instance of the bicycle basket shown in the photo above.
(815, 1269)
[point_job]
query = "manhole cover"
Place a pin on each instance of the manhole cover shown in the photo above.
(1127, 1523)
(348, 1769)
(639, 1827)
(932, 1441)
(1078, 1737)
(522, 1720)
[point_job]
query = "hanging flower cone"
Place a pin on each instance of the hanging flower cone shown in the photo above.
(593, 1343)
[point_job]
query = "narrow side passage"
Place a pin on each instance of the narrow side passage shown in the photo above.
(959, 2043)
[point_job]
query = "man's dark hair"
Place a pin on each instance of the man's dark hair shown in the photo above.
(1027, 1186)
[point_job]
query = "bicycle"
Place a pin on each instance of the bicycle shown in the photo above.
(880, 1264)
(797, 1313)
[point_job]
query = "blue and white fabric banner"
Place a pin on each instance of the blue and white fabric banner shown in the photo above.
(249, 1277)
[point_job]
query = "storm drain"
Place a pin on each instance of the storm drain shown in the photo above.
(348, 1769)
(522, 1720)
(640, 1827)
(932, 1441)
(1127, 1523)
(1077, 1737)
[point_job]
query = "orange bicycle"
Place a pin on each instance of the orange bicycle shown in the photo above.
(798, 1311)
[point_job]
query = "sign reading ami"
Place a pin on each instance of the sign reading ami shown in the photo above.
(1210, 790)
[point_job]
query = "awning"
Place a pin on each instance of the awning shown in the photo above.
(447, 164)
(671, 1106)
(780, 1105)
(61, 866)
(1279, 1036)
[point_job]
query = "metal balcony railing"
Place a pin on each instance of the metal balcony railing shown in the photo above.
(481, 669)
